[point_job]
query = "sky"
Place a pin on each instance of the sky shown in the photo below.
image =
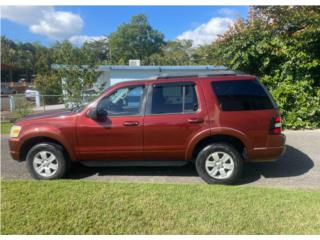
(46, 24)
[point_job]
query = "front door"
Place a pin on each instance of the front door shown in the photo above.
(117, 136)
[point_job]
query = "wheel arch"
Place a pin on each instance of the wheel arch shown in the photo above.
(29, 143)
(235, 141)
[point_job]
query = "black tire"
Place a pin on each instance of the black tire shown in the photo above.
(224, 148)
(54, 149)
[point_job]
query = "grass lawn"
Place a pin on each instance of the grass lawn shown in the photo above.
(5, 128)
(92, 207)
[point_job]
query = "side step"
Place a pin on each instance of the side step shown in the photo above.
(150, 163)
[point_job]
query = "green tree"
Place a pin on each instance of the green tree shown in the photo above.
(42, 59)
(134, 40)
(49, 84)
(200, 55)
(8, 50)
(76, 71)
(98, 51)
(173, 53)
(281, 45)
(20, 55)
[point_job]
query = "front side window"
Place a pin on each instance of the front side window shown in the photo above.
(123, 102)
(173, 98)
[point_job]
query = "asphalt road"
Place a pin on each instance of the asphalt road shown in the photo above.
(299, 167)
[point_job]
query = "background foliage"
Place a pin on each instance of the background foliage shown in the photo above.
(279, 44)
(49, 84)
(134, 40)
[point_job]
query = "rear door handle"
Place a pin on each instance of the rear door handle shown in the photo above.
(130, 123)
(195, 120)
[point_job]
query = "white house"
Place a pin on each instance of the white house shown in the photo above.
(112, 74)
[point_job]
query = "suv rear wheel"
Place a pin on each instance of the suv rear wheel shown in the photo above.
(219, 163)
(46, 161)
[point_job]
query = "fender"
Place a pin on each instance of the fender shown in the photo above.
(49, 132)
(213, 132)
(194, 141)
(233, 133)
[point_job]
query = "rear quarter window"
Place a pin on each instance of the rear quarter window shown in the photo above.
(241, 95)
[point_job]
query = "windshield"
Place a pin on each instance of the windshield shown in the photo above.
(78, 108)
(86, 100)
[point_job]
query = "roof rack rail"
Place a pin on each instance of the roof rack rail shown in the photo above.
(215, 73)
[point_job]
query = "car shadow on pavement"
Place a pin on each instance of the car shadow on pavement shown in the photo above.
(292, 163)
(79, 171)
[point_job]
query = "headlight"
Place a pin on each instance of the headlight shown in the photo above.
(14, 131)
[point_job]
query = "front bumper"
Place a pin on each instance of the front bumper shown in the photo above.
(14, 148)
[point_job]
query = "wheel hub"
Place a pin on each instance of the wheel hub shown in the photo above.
(219, 165)
(45, 163)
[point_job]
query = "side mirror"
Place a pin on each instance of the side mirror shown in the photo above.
(97, 115)
(93, 114)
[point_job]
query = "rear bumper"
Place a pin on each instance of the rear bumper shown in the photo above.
(276, 147)
(14, 148)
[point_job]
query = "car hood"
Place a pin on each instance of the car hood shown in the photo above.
(47, 114)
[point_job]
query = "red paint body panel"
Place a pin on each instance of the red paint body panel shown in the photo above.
(167, 136)
(109, 139)
(59, 126)
(154, 137)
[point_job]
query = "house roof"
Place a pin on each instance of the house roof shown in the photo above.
(153, 68)
(160, 68)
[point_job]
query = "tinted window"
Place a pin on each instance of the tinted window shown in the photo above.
(172, 98)
(124, 101)
(241, 95)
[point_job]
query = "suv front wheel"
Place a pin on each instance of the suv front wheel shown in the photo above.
(219, 163)
(46, 161)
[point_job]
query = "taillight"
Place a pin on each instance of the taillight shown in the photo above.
(276, 125)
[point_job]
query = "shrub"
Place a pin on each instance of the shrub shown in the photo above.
(281, 45)
(22, 108)
(49, 84)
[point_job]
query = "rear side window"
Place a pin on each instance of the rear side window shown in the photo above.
(173, 98)
(241, 95)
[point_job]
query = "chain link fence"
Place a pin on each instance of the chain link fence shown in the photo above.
(15, 106)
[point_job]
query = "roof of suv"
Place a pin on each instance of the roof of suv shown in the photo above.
(177, 78)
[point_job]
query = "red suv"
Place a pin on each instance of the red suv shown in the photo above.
(217, 122)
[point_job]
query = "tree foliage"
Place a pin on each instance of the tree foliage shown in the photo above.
(49, 84)
(134, 40)
(18, 54)
(173, 53)
(98, 51)
(76, 70)
(281, 45)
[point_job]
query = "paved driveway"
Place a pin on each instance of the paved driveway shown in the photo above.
(299, 167)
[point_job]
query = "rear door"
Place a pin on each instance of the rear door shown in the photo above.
(173, 116)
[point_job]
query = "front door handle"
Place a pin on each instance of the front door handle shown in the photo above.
(195, 120)
(130, 123)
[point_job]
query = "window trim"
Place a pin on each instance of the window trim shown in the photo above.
(143, 102)
(148, 106)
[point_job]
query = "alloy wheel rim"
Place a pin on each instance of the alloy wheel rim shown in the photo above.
(219, 165)
(45, 163)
